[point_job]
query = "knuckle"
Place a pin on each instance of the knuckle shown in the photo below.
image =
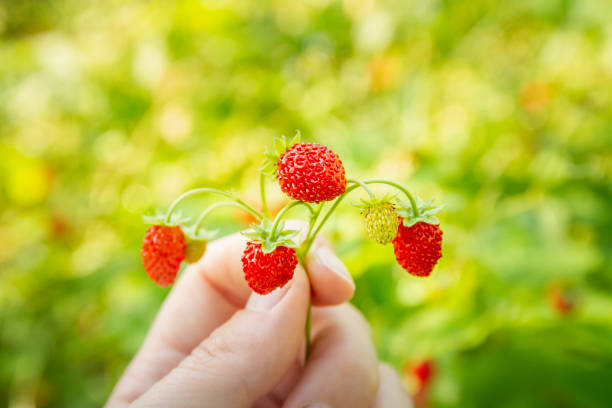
(213, 348)
(209, 355)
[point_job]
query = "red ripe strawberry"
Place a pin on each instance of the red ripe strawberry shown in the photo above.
(562, 299)
(310, 172)
(418, 247)
(423, 372)
(266, 272)
(162, 252)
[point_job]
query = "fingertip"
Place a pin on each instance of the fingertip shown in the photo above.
(292, 297)
(331, 281)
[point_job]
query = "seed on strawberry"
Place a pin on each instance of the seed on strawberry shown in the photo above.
(418, 247)
(381, 222)
(163, 250)
(310, 172)
(266, 272)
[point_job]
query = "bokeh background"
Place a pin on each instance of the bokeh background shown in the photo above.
(500, 110)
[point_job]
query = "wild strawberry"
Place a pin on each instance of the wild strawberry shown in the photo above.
(311, 172)
(162, 252)
(423, 372)
(306, 171)
(418, 247)
(562, 299)
(418, 243)
(266, 272)
(381, 220)
(420, 377)
(269, 258)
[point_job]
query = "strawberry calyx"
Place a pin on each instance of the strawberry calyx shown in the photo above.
(161, 218)
(270, 237)
(426, 212)
(375, 202)
(279, 146)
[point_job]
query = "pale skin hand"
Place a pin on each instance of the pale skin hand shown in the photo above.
(216, 344)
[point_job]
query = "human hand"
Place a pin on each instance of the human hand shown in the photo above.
(214, 343)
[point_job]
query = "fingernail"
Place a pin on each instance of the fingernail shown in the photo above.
(262, 303)
(328, 259)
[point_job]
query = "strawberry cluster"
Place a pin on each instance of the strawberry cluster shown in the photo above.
(412, 228)
(311, 174)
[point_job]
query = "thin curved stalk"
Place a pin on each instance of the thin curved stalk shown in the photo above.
(415, 208)
(364, 186)
(203, 190)
(286, 208)
(213, 207)
(262, 192)
(350, 189)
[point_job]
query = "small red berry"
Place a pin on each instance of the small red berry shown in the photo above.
(424, 372)
(163, 250)
(310, 172)
(562, 299)
(418, 247)
(266, 272)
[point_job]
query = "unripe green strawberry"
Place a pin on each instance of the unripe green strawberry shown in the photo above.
(381, 222)
(194, 250)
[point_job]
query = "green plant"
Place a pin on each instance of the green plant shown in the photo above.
(314, 174)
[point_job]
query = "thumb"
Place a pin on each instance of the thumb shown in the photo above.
(243, 359)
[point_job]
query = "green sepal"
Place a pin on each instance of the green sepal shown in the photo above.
(279, 146)
(365, 204)
(263, 234)
(426, 212)
(198, 235)
(160, 218)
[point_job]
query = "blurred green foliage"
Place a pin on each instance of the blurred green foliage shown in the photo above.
(501, 110)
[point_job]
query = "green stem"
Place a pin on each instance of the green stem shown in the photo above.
(203, 190)
(262, 192)
(415, 207)
(286, 208)
(364, 186)
(312, 235)
(310, 240)
(304, 247)
(213, 207)
(307, 330)
(357, 184)
(313, 220)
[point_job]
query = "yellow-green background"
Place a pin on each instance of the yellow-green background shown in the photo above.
(500, 110)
